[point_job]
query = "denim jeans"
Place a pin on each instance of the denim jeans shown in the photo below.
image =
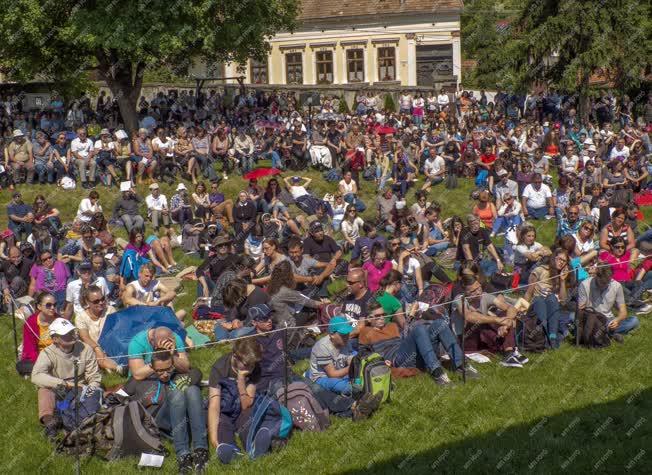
(627, 325)
(182, 409)
(223, 334)
(435, 249)
(488, 267)
(506, 222)
(416, 350)
(275, 157)
(355, 201)
(336, 385)
(547, 311)
(537, 213)
(19, 229)
(44, 173)
(246, 162)
(441, 334)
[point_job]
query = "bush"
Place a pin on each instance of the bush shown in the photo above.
(389, 103)
(344, 107)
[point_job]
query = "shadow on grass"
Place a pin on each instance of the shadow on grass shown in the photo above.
(614, 437)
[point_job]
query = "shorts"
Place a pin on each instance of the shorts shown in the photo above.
(150, 239)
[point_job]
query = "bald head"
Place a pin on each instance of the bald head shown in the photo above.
(14, 254)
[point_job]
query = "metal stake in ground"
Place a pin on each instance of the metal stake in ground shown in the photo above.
(13, 320)
(76, 402)
(285, 363)
(463, 335)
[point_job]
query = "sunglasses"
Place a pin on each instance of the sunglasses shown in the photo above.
(49, 305)
(98, 301)
(619, 246)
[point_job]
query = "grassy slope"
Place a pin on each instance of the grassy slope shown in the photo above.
(573, 410)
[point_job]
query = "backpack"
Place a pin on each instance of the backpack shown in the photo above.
(370, 375)
(87, 402)
(307, 413)
(113, 432)
(434, 295)
(534, 335)
(268, 414)
(334, 174)
(592, 329)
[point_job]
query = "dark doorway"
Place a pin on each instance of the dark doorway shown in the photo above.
(434, 64)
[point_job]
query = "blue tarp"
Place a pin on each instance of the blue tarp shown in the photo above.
(120, 328)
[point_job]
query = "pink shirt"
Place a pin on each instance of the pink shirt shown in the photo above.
(375, 275)
(619, 266)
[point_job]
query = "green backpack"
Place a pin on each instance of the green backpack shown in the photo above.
(370, 374)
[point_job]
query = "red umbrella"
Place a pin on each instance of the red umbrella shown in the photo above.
(383, 130)
(261, 172)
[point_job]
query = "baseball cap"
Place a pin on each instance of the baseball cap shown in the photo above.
(259, 313)
(85, 265)
(340, 325)
(61, 327)
(502, 172)
(316, 226)
(154, 186)
(105, 132)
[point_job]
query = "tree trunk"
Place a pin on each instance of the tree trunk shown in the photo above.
(125, 85)
(583, 103)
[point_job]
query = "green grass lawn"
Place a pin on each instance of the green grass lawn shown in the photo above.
(573, 410)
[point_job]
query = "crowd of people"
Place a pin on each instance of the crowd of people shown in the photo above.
(423, 286)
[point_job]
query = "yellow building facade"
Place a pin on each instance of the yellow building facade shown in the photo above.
(406, 43)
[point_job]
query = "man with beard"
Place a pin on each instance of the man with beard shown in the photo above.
(322, 247)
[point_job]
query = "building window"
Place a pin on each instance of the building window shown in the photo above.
(324, 61)
(258, 72)
(355, 65)
(294, 68)
(386, 64)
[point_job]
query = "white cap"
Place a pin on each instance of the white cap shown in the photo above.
(61, 326)
(181, 186)
(588, 142)
(18, 133)
(125, 186)
(592, 148)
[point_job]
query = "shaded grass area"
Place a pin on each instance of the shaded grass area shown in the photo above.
(573, 410)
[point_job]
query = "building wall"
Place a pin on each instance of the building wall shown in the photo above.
(404, 35)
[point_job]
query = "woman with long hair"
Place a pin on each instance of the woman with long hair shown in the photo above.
(377, 267)
(285, 301)
(485, 209)
(548, 290)
(621, 260)
(46, 215)
(618, 228)
(528, 253)
(36, 333)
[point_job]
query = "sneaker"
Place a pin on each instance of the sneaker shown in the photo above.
(511, 361)
(520, 357)
(185, 464)
(618, 338)
(227, 452)
(471, 372)
(440, 377)
(366, 405)
(646, 308)
(262, 442)
(200, 459)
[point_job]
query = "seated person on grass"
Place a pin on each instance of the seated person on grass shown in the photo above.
(141, 349)
(418, 348)
(148, 291)
(54, 368)
(173, 397)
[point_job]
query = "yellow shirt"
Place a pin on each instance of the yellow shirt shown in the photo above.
(44, 339)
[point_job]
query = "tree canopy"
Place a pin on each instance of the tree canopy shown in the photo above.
(62, 40)
(560, 42)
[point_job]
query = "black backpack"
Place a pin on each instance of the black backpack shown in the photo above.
(592, 329)
(534, 335)
(114, 432)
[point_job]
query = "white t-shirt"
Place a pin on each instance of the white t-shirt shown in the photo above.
(83, 321)
(569, 164)
(73, 291)
(151, 293)
(537, 199)
(586, 246)
(156, 204)
(520, 250)
(84, 206)
(166, 147)
(347, 187)
(83, 149)
(620, 154)
(434, 166)
(352, 230)
(99, 145)
(298, 191)
(443, 99)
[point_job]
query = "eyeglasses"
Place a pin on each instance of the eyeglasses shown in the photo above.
(619, 246)
(98, 301)
(169, 369)
(573, 213)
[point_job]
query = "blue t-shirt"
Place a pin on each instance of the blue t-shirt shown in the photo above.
(140, 347)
